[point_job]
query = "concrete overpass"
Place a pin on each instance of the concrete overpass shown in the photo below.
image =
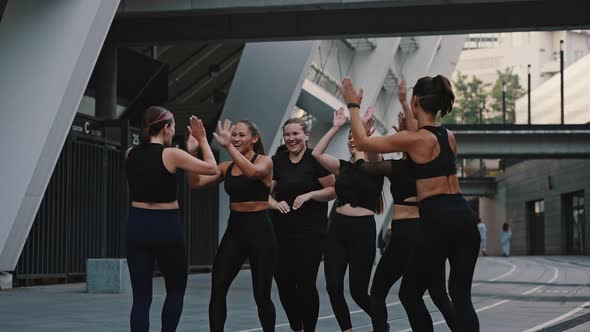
(523, 141)
(478, 186)
(141, 22)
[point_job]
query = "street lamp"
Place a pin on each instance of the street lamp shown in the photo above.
(482, 105)
(503, 102)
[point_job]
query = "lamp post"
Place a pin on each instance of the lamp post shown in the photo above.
(561, 77)
(503, 102)
(529, 93)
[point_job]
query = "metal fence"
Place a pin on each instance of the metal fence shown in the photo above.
(83, 212)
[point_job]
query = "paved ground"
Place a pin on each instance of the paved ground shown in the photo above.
(510, 294)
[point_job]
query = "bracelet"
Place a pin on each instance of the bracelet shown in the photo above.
(353, 105)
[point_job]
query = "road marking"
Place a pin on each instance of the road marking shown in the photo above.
(555, 275)
(512, 269)
(558, 319)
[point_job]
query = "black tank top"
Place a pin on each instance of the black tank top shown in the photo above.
(443, 165)
(241, 188)
(149, 180)
(357, 188)
(403, 185)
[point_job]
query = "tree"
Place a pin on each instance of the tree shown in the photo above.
(468, 98)
(513, 92)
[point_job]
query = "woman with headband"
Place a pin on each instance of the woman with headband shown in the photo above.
(449, 224)
(249, 232)
(154, 228)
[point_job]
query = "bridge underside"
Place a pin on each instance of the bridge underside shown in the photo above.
(177, 21)
(523, 141)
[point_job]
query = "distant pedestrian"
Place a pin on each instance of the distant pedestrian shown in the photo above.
(505, 238)
(483, 233)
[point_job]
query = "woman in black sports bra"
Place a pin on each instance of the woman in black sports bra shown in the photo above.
(406, 233)
(351, 239)
(249, 232)
(154, 227)
(449, 223)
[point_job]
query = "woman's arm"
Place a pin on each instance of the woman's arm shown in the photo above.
(261, 167)
(328, 162)
(199, 181)
(281, 206)
(411, 122)
(187, 161)
(326, 194)
(400, 142)
(380, 168)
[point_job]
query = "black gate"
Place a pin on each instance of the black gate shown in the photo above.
(83, 212)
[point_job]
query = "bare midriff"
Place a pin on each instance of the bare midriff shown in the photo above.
(354, 211)
(249, 206)
(437, 186)
(155, 206)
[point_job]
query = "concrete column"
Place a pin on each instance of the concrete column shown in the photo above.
(265, 88)
(48, 51)
(106, 82)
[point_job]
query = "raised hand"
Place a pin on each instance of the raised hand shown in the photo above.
(192, 144)
(339, 118)
(349, 93)
(223, 133)
(402, 92)
(401, 123)
(197, 129)
(369, 120)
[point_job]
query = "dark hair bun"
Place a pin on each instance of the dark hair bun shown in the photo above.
(442, 87)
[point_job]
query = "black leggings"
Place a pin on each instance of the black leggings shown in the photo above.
(450, 232)
(300, 255)
(406, 237)
(156, 235)
(248, 235)
(351, 242)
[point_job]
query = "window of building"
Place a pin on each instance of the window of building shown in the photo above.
(575, 220)
(481, 40)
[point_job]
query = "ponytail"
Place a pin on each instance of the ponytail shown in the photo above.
(435, 94)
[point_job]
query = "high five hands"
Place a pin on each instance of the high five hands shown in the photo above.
(197, 134)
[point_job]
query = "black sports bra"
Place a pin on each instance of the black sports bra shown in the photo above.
(443, 165)
(241, 188)
(402, 185)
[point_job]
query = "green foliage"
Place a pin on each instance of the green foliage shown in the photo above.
(513, 92)
(469, 95)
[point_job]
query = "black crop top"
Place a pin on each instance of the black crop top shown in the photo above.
(149, 180)
(443, 165)
(241, 188)
(294, 179)
(402, 184)
(358, 188)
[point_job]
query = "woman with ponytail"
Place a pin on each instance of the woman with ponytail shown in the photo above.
(449, 223)
(154, 228)
(351, 239)
(249, 232)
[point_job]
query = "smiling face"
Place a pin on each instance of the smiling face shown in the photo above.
(295, 138)
(242, 139)
(351, 145)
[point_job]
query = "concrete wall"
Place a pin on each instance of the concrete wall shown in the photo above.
(48, 51)
(529, 181)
